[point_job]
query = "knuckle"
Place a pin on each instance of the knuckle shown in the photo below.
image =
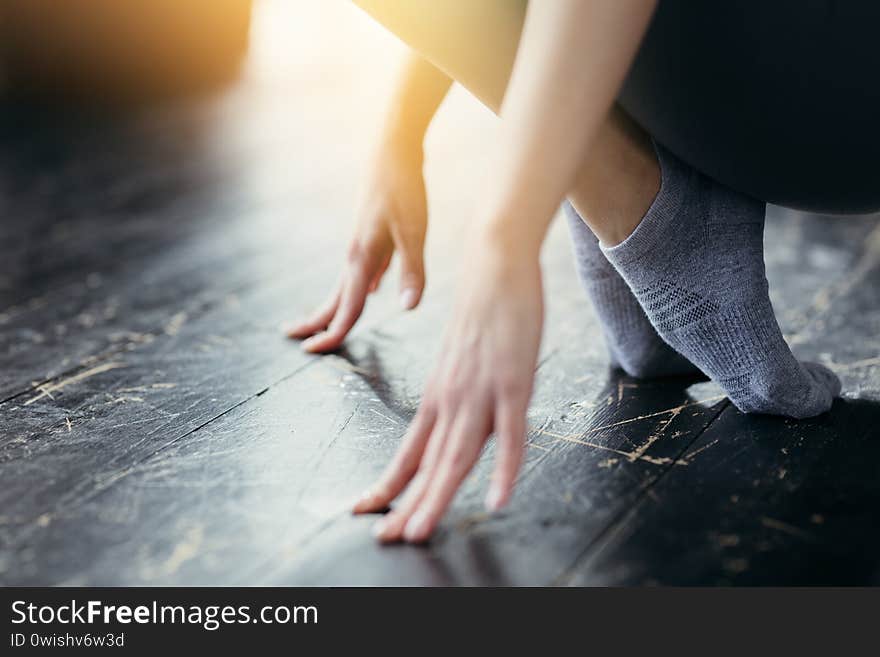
(414, 274)
(425, 411)
(406, 459)
(512, 387)
(430, 401)
(458, 460)
(420, 477)
(451, 394)
(355, 253)
(511, 454)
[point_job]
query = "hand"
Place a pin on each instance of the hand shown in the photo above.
(393, 216)
(482, 384)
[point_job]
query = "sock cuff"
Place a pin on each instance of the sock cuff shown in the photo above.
(658, 222)
(591, 263)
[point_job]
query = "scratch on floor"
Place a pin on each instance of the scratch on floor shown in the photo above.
(638, 454)
(126, 398)
(42, 389)
(175, 323)
(656, 435)
(345, 424)
(152, 386)
(675, 410)
(621, 386)
(791, 530)
(867, 362)
(689, 457)
(161, 415)
(46, 391)
(631, 456)
(382, 415)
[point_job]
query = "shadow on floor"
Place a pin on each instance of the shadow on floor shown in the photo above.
(344, 553)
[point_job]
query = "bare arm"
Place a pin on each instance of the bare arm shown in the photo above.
(572, 60)
(393, 211)
(420, 89)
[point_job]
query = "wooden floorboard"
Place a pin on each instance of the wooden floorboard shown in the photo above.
(155, 428)
(768, 499)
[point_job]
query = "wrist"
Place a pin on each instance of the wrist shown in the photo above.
(404, 139)
(516, 218)
(507, 241)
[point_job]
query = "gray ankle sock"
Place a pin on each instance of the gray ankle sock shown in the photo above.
(696, 265)
(633, 344)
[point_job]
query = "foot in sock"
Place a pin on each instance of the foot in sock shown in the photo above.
(696, 265)
(633, 344)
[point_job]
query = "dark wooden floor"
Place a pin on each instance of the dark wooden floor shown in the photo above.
(156, 429)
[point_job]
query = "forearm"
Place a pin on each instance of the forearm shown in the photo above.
(420, 90)
(572, 60)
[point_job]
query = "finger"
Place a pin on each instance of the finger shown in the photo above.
(377, 278)
(510, 430)
(410, 244)
(403, 466)
(351, 305)
(462, 450)
(318, 320)
(390, 528)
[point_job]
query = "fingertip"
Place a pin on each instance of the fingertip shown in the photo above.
(311, 345)
(387, 530)
(497, 497)
(368, 502)
(360, 504)
(418, 528)
(409, 298)
(321, 343)
(295, 333)
(291, 329)
(379, 529)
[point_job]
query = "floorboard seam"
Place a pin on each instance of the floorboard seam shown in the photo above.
(113, 351)
(100, 490)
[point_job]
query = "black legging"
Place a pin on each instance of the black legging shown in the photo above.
(778, 99)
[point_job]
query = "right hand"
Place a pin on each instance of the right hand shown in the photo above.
(393, 215)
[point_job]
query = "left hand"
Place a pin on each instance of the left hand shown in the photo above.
(482, 384)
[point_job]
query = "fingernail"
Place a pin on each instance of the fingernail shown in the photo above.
(360, 501)
(408, 298)
(416, 527)
(311, 342)
(494, 500)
